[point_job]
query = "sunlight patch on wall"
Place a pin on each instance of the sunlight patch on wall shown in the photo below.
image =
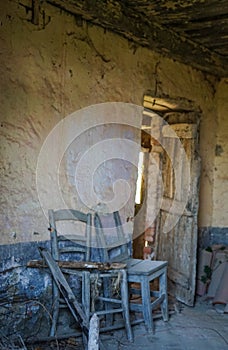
(138, 195)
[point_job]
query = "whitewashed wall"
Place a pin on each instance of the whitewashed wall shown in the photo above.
(220, 185)
(61, 66)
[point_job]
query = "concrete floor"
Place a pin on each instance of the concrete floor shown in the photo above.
(201, 327)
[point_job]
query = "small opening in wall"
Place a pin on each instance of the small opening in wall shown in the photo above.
(138, 195)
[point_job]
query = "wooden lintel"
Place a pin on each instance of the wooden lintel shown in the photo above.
(134, 26)
(166, 104)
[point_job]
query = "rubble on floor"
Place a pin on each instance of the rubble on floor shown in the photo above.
(189, 328)
(17, 343)
(13, 343)
(213, 276)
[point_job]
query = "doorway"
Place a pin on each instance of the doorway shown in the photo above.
(170, 187)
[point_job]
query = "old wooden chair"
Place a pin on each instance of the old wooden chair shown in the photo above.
(139, 271)
(64, 247)
(92, 281)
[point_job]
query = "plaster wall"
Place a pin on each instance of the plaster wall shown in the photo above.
(220, 185)
(63, 65)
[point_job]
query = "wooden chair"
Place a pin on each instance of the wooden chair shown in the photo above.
(80, 244)
(142, 272)
(74, 246)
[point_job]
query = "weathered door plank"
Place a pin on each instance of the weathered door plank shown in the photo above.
(180, 203)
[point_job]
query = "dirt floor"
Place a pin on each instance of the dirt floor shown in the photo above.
(203, 327)
(69, 344)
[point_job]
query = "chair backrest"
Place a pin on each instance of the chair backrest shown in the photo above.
(120, 248)
(75, 242)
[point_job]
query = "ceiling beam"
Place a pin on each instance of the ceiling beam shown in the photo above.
(114, 16)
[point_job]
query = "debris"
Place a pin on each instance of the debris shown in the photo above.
(14, 343)
(93, 343)
(213, 276)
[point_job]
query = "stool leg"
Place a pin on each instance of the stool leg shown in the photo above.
(125, 305)
(163, 291)
(146, 304)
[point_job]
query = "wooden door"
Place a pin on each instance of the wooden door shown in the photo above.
(176, 234)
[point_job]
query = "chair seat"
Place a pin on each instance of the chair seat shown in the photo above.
(144, 267)
(144, 272)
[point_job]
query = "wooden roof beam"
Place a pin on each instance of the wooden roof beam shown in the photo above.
(115, 17)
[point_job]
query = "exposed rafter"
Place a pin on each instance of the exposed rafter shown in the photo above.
(115, 16)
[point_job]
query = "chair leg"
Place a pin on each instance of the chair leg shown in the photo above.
(86, 293)
(86, 301)
(146, 304)
(125, 305)
(163, 291)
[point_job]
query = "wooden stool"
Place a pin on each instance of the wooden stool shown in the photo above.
(144, 272)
